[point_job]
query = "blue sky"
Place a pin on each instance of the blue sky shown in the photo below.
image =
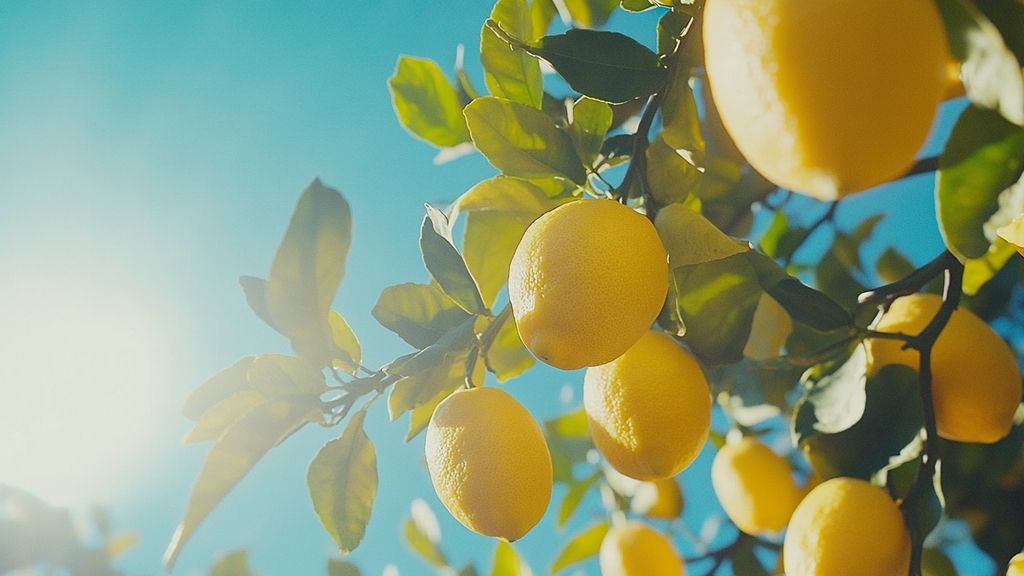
(152, 153)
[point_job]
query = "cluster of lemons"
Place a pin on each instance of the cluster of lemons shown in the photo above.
(827, 98)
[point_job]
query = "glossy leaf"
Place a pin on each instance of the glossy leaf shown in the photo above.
(446, 265)
(507, 562)
(233, 456)
(418, 313)
(588, 125)
(232, 564)
(220, 386)
(522, 141)
(983, 158)
(805, 304)
(342, 481)
(582, 546)
(680, 118)
(426, 103)
(511, 72)
(606, 66)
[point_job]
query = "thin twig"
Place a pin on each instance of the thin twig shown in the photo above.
(913, 282)
(826, 218)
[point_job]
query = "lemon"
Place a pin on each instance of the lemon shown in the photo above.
(1014, 233)
(650, 409)
(755, 486)
(489, 463)
(658, 499)
(847, 527)
(586, 281)
(635, 549)
(1016, 566)
(826, 98)
(976, 385)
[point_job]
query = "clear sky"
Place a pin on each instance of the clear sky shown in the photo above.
(151, 153)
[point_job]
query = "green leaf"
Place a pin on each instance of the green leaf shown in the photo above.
(589, 122)
(716, 302)
(892, 265)
(426, 103)
(636, 5)
(605, 66)
(690, 238)
(342, 481)
(307, 269)
(542, 12)
(233, 456)
(923, 508)
(507, 356)
(511, 72)
(833, 400)
(934, 562)
(341, 568)
(522, 141)
(232, 564)
(805, 304)
(348, 351)
(446, 265)
(437, 368)
(219, 387)
(990, 72)
(490, 241)
(681, 120)
(983, 158)
(582, 546)
(744, 560)
(222, 415)
(507, 562)
(568, 438)
(573, 498)
(978, 271)
(671, 26)
(590, 13)
(672, 178)
(278, 376)
(754, 390)
(418, 313)
(421, 534)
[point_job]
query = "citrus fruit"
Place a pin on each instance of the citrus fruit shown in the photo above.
(1016, 566)
(826, 98)
(635, 549)
(586, 281)
(755, 486)
(489, 463)
(976, 385)
(1014, 233)
(847, 527)
(658, 499)
(649, 409)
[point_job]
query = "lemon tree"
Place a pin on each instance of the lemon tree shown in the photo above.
(676, 214)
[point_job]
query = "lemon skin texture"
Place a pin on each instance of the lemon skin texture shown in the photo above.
(650, 409)
(1016, 566)
(976, 385)
(829, 97)
(755, 486)
(586, 281)
(635, 549)
(489, 462)
(847, 527)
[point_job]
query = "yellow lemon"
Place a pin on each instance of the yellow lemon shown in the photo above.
(826, 98)
(658, 499)
(489, 462)
(769, 331)
(755, 486)
(1016, 566)
(650, 409)
(1014, 233)
(847, 527)
(976, 385)
(586, 281)
(635, 549)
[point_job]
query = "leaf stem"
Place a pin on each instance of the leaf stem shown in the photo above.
(913, 282)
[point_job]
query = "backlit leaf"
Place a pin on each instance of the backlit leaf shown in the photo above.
(418, 313)
(222, 415)
(507, 562)
(507, 356)
(581, 547)
(446, 265)
(511, 72)
(221, 385)
(426, 103)
(232, 564)
(337, 567)
(348, 353)
(590, 121)
(573, 498)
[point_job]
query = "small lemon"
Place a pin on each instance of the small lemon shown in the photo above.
(649, 409)
(658, 499)
(755, 486)
(826, 98)
(489, 462)
(586, 281)
(635, 549)
(976, 385)
(1016, 566)
(847, 527)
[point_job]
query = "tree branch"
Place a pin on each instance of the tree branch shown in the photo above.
(913, 282)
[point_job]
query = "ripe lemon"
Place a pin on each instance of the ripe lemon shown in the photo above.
(658, 499)
(489, 463)
(635, 549)
(826, 98)
(976, 385)
(755, 486)
(586, 281)
(847, 527)
(650, 409)
(1016, 567)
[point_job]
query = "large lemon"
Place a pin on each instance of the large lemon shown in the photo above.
(976, 385)
(826, 97)
(649, 409)
(755, 486)
(635, 549)
(847, 527)
(489, 463)
(586, 281)
(1016, 567)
